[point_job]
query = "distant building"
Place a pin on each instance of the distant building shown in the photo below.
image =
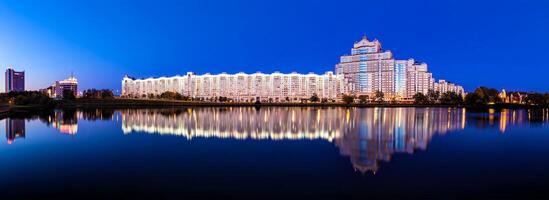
(15, 81)
(56, 90)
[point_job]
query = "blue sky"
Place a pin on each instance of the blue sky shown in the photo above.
(501, 44)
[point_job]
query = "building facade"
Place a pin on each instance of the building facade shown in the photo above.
(57, 88)
(15, 81)
(242, 87)
(370, 69)
(366, 71)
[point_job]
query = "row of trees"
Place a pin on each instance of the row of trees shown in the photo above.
(177, 96)
(480, 97)
(434, 97)
(25, 98)
(379, 97)
(97, 94)
(484, 96)
(538, 99)
(40, 98)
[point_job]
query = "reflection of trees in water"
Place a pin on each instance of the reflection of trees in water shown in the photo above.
(93, 114)
(170, 112)
(502, 118)
(538, 115)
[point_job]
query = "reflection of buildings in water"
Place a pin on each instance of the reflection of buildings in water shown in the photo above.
(65, 121)
(15, 128)
(377, 133)
(238, 123)
(365, 135)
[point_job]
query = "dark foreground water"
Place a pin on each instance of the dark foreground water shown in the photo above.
(284, 153)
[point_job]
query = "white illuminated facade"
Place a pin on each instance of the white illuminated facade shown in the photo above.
(369, 69)
(242, 87)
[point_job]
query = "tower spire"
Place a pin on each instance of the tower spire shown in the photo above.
(364, 37)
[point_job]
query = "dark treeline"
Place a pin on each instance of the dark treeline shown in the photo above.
(483, 96)
(40, 98)
(378, 97)
(435, 97)
(97, 94)
(26, 98)
(480, 97)
(94, 114)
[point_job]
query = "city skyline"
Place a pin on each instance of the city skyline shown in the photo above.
(49, 40)
(368, 70)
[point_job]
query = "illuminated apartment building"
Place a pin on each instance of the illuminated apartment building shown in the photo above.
(369, 69)
(442, 86)
(275, 87)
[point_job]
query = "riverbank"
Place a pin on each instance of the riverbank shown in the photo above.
(119, 103)
(123, 103)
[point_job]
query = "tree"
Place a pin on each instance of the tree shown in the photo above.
(26, 98)
(222, 99)
(170, 95)
(488, 95)
(363, 99)
(451, 98)
(68, 94)
(380, 96)
(473, 99)
(420, 98)
(97, 94)
(314, 98)
(106, 94)
(433, 95)
(348, 99)
(535, 98)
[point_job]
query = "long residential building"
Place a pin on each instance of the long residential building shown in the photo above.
(274, 87)
(366, 71)
(370, 69)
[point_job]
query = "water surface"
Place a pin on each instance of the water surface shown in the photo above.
(247, 152)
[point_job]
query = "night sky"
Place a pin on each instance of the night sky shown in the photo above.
(500, 44)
